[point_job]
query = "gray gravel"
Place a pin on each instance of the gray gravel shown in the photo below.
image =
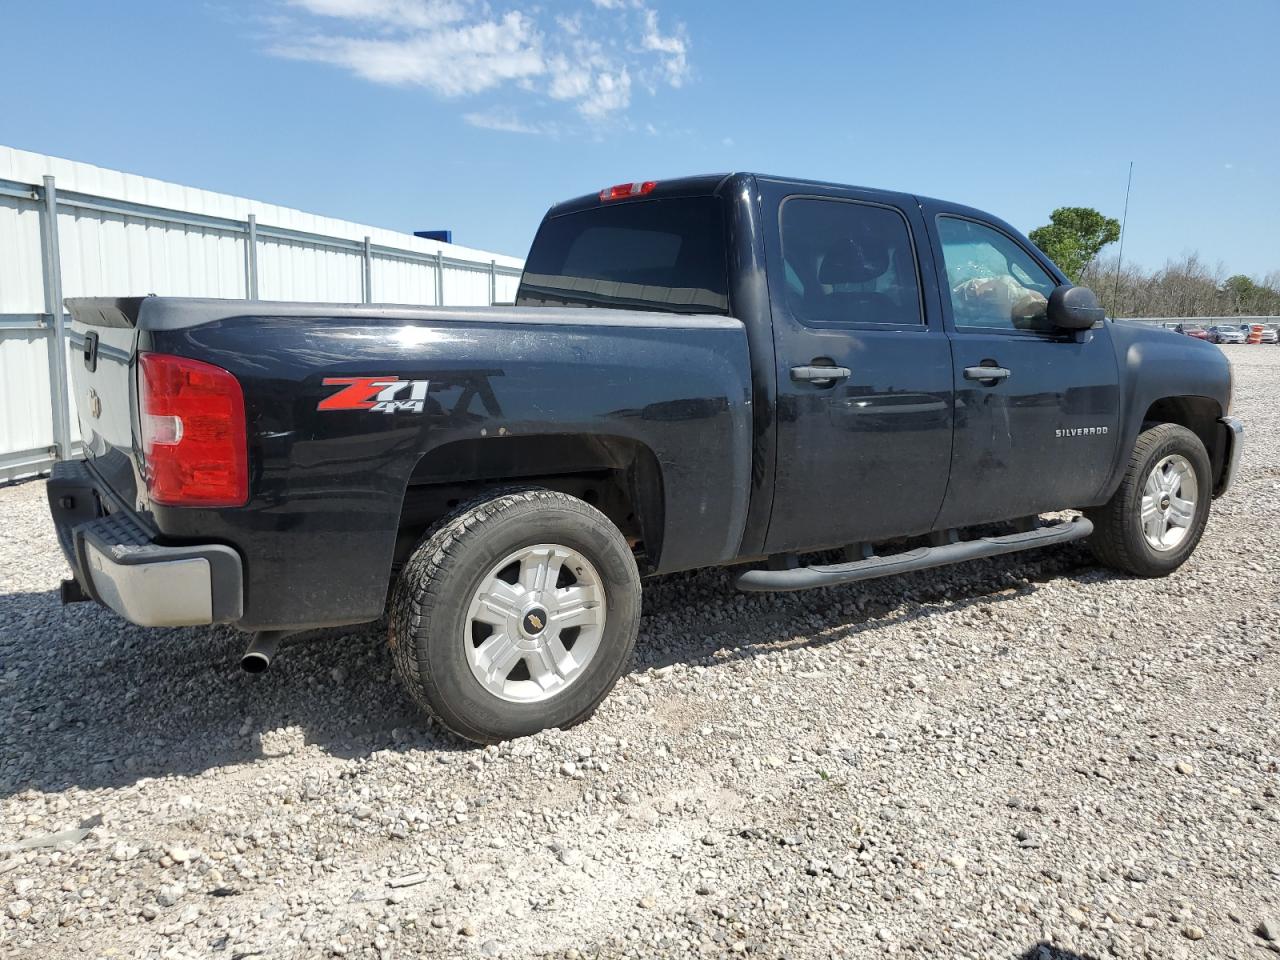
(977, 762)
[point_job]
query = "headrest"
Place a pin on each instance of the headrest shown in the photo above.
(850, 261)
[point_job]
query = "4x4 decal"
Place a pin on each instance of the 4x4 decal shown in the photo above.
(376, 394)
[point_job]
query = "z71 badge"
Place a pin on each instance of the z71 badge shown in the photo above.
(376, 394)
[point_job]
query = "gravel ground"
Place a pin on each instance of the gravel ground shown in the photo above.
(1024, 757)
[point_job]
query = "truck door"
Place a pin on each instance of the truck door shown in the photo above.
(863, 365)
(1038, 432)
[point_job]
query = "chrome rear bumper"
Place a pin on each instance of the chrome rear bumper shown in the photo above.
(116, 560)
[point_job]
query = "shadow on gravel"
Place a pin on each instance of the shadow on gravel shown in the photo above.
(1047, 951)
(90, 701)
(795, 619)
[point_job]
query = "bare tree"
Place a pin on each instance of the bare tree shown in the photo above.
(1186, 287)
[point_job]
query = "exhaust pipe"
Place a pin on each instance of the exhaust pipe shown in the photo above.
(262, 650)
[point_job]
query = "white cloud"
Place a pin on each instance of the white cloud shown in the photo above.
(673, 49)
(459, 48)
(505, 121)
(461, 59)
(415, 14)
(611, 93)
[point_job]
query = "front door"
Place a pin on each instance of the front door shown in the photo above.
(864, 384)
(1036, 409)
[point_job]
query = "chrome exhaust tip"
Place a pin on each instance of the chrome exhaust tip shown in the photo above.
(262, 650)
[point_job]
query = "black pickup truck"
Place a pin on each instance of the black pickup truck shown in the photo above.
(717, 370)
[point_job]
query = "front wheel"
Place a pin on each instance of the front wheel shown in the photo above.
(1157, 515)
(517, 613)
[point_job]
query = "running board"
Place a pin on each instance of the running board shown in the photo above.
(802, 578)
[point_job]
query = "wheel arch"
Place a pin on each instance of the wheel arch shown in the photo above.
(1202, 416)
(620, 476)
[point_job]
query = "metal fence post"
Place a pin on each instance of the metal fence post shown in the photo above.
(493, 282)
(439, 279)
(57, 339)
(251, 258)
(368, 271)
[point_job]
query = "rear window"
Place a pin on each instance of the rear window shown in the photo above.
(641, 255)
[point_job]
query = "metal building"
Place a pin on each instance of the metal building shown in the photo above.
(71, 229)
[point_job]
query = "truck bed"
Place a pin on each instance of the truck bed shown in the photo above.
(559, 390)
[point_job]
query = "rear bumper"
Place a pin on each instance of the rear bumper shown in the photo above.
(1234, 432)
(117, 561)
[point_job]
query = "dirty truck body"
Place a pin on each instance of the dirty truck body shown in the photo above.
(699, 372)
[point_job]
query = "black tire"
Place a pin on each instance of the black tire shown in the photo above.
(1118, 540)
(429, 605)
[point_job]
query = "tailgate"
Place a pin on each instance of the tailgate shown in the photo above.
(103, 345)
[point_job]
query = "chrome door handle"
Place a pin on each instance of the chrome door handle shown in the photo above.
(820, 376)
(986, 373)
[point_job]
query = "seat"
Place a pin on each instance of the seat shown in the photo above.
(852, 262)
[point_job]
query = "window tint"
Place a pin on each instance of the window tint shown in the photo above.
(644, 255)
(848, 263)
(994, 283)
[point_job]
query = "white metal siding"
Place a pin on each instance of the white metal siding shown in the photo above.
(125, 235)
(302, 271)
(106, 252)
(25, 420)
(400, 280)
(21, 280)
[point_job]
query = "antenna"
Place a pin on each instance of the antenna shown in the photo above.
(1115, 288)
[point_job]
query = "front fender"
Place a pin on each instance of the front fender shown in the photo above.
(1159, 365)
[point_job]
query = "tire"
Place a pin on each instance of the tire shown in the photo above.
(460, 577)
(1121, 539)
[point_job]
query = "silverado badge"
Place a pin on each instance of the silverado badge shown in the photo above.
(1062, 432)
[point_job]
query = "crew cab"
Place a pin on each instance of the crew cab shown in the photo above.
(816, 383)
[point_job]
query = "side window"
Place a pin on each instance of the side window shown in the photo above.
(994, 283)
(848, 263)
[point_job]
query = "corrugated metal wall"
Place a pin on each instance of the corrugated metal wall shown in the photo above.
(124, 235)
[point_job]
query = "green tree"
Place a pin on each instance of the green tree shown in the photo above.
(1073, 236)
(1240, 287)
(1242, 290)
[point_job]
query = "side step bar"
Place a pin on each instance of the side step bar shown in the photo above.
(922, 558)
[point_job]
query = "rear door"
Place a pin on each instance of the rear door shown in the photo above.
(863, 368)
(1038, 433)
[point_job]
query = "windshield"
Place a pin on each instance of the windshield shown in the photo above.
(642, 255)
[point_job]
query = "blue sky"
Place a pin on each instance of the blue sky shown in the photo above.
(416, 114)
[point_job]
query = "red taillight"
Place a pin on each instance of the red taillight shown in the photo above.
(193, 432)
(623, 190)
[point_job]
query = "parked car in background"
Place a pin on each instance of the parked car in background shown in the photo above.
(1192, 330)
(1228, 333)
(1269, 334)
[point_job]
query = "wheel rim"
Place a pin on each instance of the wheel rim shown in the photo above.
(1169, 502)
(535, 623)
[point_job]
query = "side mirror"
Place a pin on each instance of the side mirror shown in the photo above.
(1074, 308)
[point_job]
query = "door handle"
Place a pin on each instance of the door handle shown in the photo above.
(820, 376)
(991, 374)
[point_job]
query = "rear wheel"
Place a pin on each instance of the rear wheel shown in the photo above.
(515, 614)
(1157, 515)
